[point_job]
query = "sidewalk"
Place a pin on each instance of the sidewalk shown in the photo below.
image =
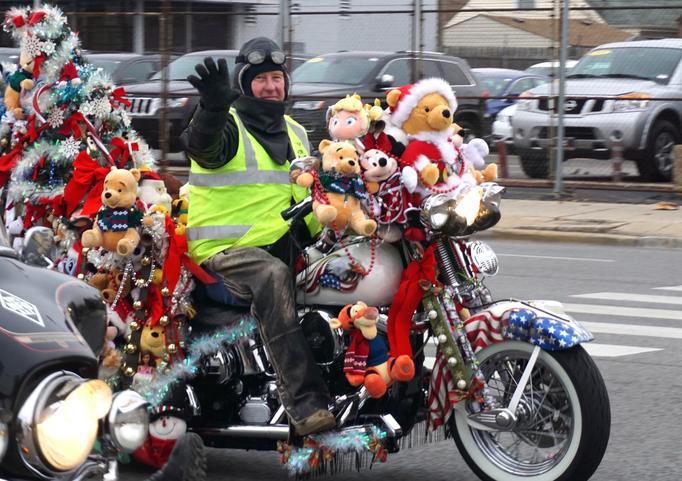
(590, 222)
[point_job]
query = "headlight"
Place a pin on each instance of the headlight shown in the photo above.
(59, 422)
(484, 258)
(309, 105)
(473, 210)
(632, 101)
(128, 421)
(177, 103)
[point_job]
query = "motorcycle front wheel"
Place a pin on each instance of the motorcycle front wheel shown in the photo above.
(564, 417)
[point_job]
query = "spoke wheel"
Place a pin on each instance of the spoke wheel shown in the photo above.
(558, 415)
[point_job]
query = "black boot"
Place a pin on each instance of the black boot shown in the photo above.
(187, 461)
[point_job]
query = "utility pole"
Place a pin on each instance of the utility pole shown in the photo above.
(558, 187)
(164, 39)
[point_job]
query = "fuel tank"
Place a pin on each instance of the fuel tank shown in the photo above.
(331, 280)
(46, 319)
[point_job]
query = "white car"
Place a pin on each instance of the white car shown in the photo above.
(502, 126)
(550, 69)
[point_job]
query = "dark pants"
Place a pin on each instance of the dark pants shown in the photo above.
(255, 276)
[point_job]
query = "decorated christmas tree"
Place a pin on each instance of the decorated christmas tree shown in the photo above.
(64, 124)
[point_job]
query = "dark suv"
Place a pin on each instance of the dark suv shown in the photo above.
(323, 80)
(145, 98)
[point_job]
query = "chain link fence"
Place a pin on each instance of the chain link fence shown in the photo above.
(621, 108)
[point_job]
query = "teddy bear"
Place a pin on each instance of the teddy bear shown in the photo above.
(179, 211)
(118, 220)
(349, 120)
(110, 284)
(339, 189)
(19, 82)
(424, 111)
(153, 340)
(367, 361)
(474, 153)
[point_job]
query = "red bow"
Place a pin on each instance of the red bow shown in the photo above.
(71, 127)
(88, 179)
(69, 72)
(19, 21)
(7, 163)
(121, 151)
(36, 17)
(407, 300)
(119, 96)
(37, 63)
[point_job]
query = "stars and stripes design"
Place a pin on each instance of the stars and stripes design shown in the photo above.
(544, 331)
(483, 329)
(442, 396)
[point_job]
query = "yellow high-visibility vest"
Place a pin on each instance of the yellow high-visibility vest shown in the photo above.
(239, 204)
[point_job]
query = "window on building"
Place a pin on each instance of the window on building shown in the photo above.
(525, 3)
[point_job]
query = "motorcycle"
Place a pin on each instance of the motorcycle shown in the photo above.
(511, 383)
(53, 409)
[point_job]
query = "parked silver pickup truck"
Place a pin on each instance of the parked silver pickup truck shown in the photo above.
(630, 91)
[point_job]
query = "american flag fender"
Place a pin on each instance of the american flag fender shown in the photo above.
(521, 321)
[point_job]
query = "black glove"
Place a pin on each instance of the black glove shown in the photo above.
(213, 85)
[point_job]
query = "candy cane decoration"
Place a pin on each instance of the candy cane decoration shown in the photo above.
(91, 128)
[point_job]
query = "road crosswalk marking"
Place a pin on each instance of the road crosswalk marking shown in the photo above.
(669, 288)
(594, 349)
(604, 310)
(633, 330)
(625, 296)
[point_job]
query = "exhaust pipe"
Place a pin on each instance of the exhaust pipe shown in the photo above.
(279, 432)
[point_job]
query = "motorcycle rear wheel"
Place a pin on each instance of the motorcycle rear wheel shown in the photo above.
(565, 431)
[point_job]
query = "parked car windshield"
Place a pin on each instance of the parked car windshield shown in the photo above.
(181, 68)
(649, 63)
(494, 85)
(109, 66)
(335, 70)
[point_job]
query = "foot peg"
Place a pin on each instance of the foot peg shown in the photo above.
(498, 419)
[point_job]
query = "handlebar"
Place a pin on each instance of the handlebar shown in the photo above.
(299, 210)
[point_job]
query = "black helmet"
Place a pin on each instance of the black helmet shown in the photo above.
(256, 56)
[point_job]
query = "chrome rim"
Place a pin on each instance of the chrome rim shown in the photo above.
(663, 148)
(545, 428)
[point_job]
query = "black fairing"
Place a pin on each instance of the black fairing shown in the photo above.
(41, 312)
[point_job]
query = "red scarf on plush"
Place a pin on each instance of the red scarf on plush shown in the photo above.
(406, 301)
(355, 361)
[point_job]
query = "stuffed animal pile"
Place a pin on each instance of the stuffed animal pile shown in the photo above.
(382, 163)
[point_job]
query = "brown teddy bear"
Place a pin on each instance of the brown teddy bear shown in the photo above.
(367, 361)
(340, 189)
(19, 82)
(425, 112)
(109, 285)
(118, 220)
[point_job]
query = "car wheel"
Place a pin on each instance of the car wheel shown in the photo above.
(534, 163)
(656, 165)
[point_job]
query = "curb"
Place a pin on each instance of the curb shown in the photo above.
(583, 238)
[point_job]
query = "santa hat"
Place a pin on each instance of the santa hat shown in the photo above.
(410, 95)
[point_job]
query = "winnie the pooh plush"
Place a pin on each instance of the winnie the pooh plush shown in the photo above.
(367, 361)
(153, 341)
(118, 220)
(340, 189)
(19, 82)
(425, 112)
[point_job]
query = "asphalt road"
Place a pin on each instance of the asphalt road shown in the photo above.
(629, 298)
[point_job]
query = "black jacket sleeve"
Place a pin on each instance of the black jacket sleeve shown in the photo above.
(211, 138)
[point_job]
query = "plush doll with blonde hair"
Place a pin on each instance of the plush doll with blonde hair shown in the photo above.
(348, 120)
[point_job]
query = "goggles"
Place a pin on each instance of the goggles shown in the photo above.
(257, 57)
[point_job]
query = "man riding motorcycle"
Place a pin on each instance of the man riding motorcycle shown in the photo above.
(240, 144)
